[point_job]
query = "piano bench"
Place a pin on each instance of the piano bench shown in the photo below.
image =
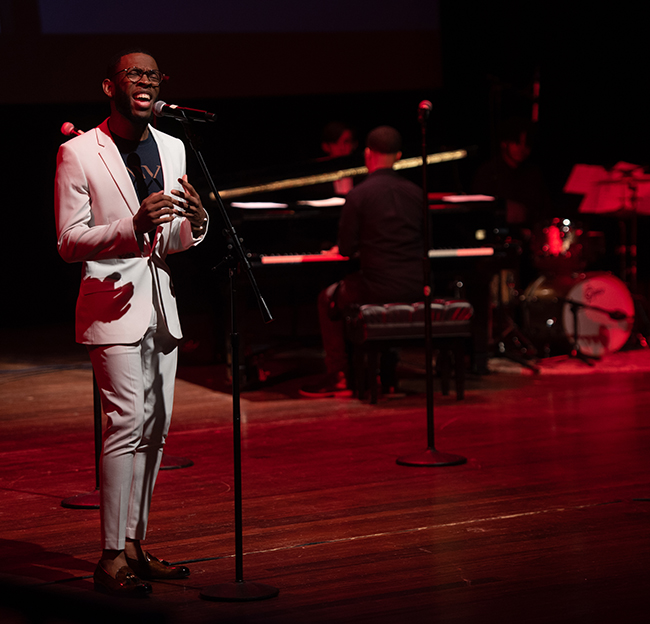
(374, 329)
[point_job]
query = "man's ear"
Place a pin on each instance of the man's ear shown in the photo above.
(107, 87)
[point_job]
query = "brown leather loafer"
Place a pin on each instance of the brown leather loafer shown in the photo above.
(125, 583)
(156, 569)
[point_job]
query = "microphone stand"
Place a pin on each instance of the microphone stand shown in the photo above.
(239, 590)
(430, 456)
(575, 347)
(91, 499)
(615, 315)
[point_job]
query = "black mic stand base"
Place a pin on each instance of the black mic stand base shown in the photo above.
(239, 591)
(82, 501)
(431, 458)
(91, 499)
(170, 462)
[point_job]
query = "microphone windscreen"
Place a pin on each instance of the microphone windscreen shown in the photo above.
(158, 108)
(68, 129)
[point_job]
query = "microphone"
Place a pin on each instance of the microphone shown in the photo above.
(162, 109)
(69, 130)
(424, 109)
(615, 315)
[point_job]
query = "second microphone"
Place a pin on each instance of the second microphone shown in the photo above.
(162, 109)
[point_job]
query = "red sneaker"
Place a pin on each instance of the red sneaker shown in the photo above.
(331, 385)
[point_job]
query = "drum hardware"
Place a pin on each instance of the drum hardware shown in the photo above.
(557, 246)
(641, 322)
(513, 345)
(589, 314)
(615, 315)
(623, 192)
(629, 184)
(576, 352)
(511, 342)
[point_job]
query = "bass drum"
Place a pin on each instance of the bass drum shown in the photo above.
(603, 306)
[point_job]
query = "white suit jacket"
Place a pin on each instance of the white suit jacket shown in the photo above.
(95, 201)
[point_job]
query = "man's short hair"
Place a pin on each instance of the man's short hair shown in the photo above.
(114, 61)
(512, 128)
(385, 140)
(333, 130)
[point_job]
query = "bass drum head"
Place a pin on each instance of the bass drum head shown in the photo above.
(602, 305)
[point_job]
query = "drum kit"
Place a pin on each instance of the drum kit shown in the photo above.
(569, 310)
(586, 314)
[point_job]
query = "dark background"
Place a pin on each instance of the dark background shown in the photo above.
(273, 92)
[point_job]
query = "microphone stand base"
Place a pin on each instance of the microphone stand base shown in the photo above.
(170, 462)
(239, 591)
(431, 458)
(82, 501)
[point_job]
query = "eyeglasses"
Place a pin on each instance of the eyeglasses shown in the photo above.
(135, 75)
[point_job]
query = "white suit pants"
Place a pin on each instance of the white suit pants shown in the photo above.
(136, 383)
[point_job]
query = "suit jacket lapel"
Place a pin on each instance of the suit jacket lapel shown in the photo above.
(110, 155)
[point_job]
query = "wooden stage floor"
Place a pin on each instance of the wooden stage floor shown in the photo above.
(548, 521)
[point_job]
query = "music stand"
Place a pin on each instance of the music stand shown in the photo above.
(623, 192)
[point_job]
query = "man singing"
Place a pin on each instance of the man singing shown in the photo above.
(122, 203)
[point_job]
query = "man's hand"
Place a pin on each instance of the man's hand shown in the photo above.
(156, 209)
(192, 208)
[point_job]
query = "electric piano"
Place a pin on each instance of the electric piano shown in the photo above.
(299, 258)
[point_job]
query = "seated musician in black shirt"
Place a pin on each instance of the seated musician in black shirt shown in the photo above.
(381, 222)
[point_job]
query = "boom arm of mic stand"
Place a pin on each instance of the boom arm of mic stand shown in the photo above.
(615, 315)
(240, 256)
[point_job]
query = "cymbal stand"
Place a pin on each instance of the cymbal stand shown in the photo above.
(511, 342)
(629, 273)
(632, 269)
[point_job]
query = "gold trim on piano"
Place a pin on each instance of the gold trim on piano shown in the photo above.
(407, 163)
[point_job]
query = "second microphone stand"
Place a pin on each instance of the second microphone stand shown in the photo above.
(430, 456)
